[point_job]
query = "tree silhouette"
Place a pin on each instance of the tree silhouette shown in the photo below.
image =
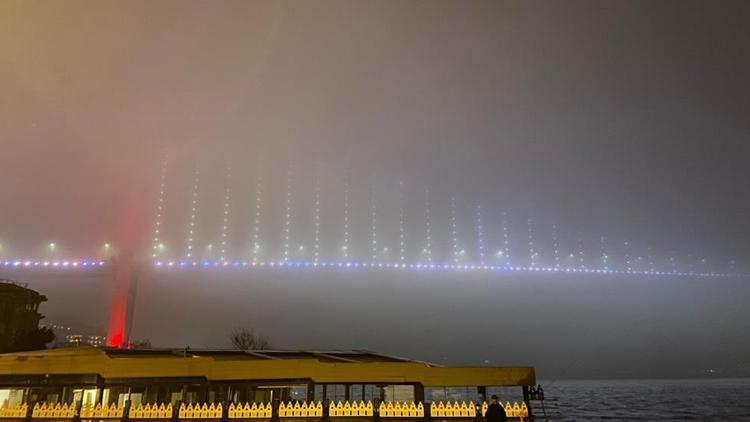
(247, 339)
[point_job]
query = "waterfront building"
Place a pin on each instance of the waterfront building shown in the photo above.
(19, 312)
(84, 377)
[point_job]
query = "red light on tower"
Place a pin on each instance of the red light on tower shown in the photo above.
(128, 236)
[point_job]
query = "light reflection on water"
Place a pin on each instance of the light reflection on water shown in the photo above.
(647, 400)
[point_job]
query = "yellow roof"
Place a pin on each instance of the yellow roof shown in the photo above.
(224, 365)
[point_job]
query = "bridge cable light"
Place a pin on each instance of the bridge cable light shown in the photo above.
(258, 213)
(556, 246)
(532, 251)
(316, 221)
(581, 255)
(427, 227)
(480, 235)
(506, 239)
(604, 253)
(287, 215)
(190, 243)
(401, 230)
(373, 223)
(454, 232)
(159, 209)
(345, 220)
(628, 262)
(225, 216)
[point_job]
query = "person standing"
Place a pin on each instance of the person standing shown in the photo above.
(495, 411)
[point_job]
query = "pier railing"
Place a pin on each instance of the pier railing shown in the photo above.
(272, 412)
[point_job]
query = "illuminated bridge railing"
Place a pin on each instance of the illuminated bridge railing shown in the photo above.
(417, 267)
(56, 264)
(98, 265)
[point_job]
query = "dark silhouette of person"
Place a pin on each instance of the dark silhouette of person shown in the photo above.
(495, 411)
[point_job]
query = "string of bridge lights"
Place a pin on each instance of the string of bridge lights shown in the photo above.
(628, 262)
(82, 264)
(427, 228)
(316, 221)
(288, 215)
(158, 247)
(532, 252)
(401, 230)
(425, 267)
(256, 218)
(345, 245)
(54, 262)
(579, 260)
(225, 220)
(506, 239)
(454, 232)
(555, 246)
(480, 235)
(193, 215)
(373, 224)
(184, 263)
(92, 264)
(377, 250)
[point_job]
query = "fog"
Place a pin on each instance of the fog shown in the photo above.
(623, 121)
(567, 327)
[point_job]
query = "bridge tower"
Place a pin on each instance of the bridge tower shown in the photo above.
(125, 273)
(125, 284)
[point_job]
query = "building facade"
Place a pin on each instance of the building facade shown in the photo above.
(86, 376)
(19, 312)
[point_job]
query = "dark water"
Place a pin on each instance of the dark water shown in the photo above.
(647, 400)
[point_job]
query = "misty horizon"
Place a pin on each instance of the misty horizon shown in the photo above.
(577, 135)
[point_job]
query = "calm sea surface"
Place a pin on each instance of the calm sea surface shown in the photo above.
(647, 400)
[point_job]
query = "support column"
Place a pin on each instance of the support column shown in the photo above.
(129, 233)
(121, 312)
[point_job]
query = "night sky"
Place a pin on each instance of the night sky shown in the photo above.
(624, 119)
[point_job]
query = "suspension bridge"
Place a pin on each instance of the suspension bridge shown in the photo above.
(208, 220)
